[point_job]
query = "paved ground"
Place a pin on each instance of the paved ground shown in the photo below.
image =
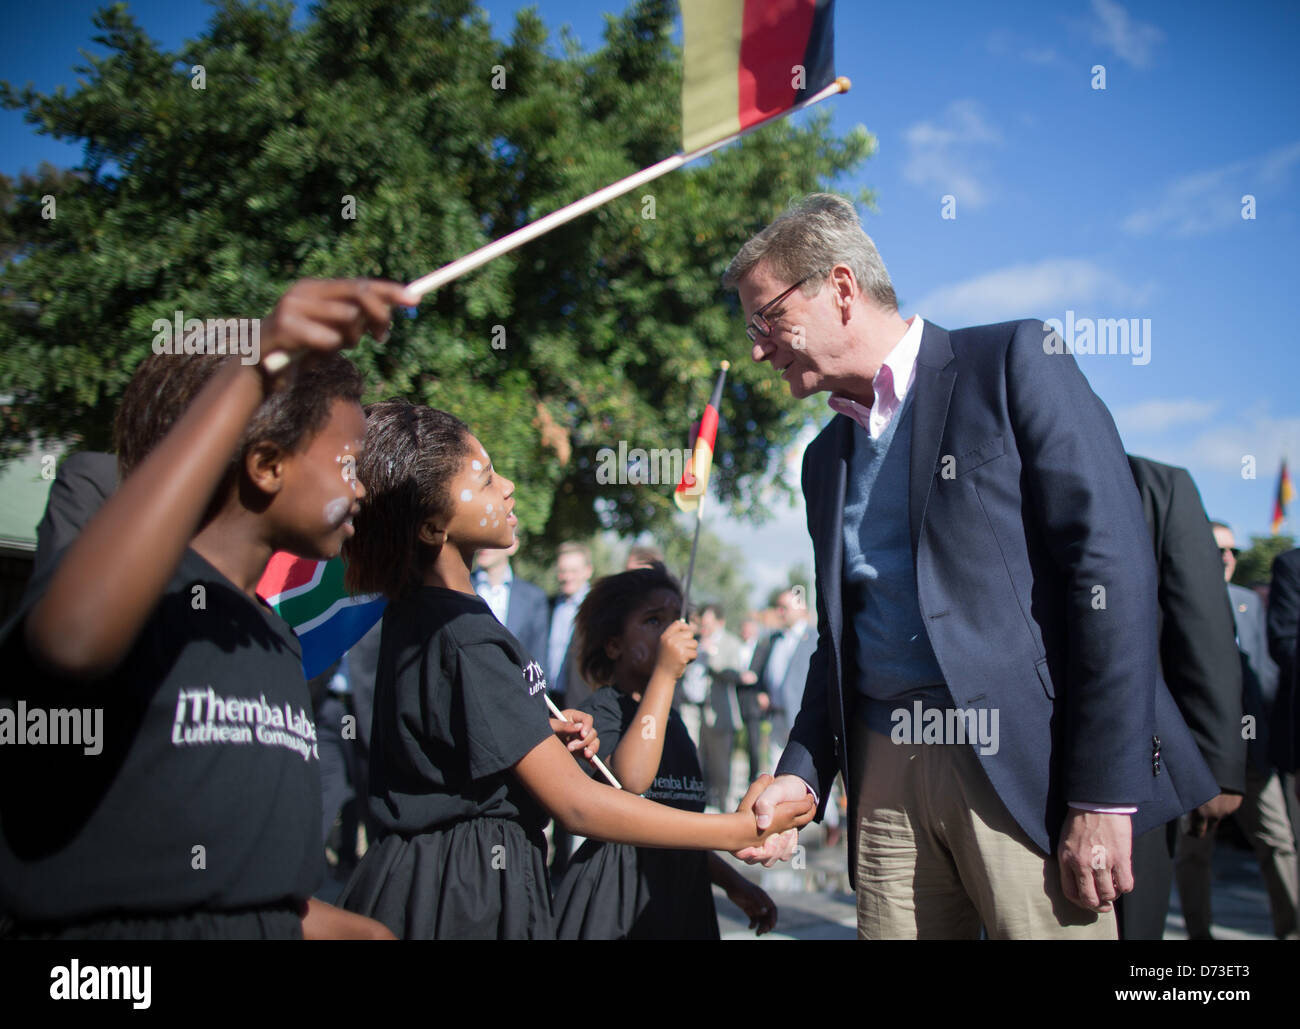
(815, 903)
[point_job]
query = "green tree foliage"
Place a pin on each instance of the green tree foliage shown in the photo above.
(214, 200)
(1256, 564)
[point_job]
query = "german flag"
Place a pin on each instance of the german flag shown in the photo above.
(695, 479)
(1285, 494)
(747, 60)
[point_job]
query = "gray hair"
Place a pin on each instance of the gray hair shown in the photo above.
(819, 232)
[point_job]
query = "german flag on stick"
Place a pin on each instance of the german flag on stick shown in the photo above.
(689, 495)
(747, 62)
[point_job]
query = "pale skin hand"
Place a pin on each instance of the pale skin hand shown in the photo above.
(1096, 859)
(780, 847)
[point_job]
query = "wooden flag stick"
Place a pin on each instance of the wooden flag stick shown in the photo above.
(595, 760)
(520, 236)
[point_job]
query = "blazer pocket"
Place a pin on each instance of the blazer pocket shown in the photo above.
(981, 455)
(1045, 677)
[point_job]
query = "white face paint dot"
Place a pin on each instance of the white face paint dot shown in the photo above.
(466, 495)
(489, 508)
(476, 465)
(482, 521)
(495, 523)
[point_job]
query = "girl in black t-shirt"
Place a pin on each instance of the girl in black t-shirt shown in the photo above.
(195, 809)
(631, 641)
(464, 766)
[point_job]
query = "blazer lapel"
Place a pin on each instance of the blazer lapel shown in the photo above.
(830, 527)
(936, 370)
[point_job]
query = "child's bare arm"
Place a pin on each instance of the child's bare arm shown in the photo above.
(589, 808)
(637, 756)
(111, 578)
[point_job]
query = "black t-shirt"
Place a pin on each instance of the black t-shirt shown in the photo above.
(678, 782)
(205, 790)
(457, 704)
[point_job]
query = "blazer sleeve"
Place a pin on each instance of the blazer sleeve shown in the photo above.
(1077, 479)
(810, 753)
(1198, 647)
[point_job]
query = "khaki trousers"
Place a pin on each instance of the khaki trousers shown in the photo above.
(939, 855)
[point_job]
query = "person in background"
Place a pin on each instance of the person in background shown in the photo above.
(567, 687)
(1283, 626)
(1263, 815)
(519, 605)
(1201, 665)
(573, 572)
(720, 651)
(753, 647)
(642, 556)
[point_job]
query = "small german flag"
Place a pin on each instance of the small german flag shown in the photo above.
(747, 60)
(1285, 494)
(695, 479)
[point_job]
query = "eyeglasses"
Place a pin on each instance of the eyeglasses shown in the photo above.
(758, 324)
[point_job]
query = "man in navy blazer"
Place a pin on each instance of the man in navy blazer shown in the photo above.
(981, 560)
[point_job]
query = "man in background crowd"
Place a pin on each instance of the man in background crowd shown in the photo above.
(1263, 815)
(519, 605)
(573, 572)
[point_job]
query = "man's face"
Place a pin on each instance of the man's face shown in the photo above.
(790, 609)
(573, 573)
(1227, 543)
(809, 342)
(709, 623)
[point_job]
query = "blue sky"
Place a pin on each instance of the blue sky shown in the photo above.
(1117, 203)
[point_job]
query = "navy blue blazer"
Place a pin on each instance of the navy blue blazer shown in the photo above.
(1036, 586)
(528, 617)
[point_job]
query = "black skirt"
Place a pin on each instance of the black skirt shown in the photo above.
(614, 891)
(275, 922)
(484, 879)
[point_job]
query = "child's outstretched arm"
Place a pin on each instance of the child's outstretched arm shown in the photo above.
(112, 577)
(588, 808)
(637, 756)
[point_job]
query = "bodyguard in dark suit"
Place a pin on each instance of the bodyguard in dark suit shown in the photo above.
(979, 550)
(83, 482)
(1200, 663)
(1283, 623)
(1263, 816)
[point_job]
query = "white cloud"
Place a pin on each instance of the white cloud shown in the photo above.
(1223, 446)
(1045, 289)
(942, 153)
(1160, 415)
(1130, 40)
(1210, 200)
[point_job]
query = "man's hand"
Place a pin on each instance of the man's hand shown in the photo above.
(578, 733)
(1096, 858)
(321, 921)
(783, 789)
(1206, 818)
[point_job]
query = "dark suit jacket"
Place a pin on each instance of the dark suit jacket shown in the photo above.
(786, 695)
(1259, 682)
(1199, 660)
(529, 617)
(1283, 626)
(568, 685)
(84, 481)
(1011, 536)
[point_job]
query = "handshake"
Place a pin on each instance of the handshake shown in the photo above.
(774, 800)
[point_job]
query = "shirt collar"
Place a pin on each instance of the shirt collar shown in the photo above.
(890, 384)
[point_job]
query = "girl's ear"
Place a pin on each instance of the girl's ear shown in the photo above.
(431, 534)
(614, 648)
(264, 465)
